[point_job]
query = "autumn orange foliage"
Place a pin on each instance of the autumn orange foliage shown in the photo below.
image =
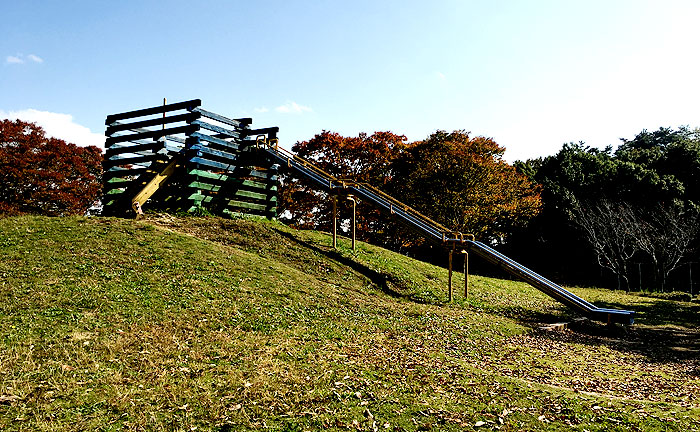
(461, 182)
(464, 183)
(42, 175)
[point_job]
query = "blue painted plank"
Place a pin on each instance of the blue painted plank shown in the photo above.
(212, 164)
(217, 129)
(215, 140)
(219, 118)
(219, 155)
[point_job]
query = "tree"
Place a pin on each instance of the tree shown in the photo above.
(667, 236)
(42, 175)
(365, 158)
(463, 183)
(612, 229)
(651, 173)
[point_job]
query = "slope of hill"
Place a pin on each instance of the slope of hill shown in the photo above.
(213, 324)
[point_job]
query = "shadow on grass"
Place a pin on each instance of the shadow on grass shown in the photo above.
(383, 281)
(663, 312)
(665, 332)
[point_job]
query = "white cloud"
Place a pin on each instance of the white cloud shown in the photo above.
(261, 110)
(21, 59)
(58, 125)
(441, 76)
(35, 58)
(292, 108)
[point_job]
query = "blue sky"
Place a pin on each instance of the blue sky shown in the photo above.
(531, 74)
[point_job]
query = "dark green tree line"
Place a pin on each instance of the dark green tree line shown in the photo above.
(637, 203)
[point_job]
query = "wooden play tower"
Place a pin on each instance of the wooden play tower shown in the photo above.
(181, 158)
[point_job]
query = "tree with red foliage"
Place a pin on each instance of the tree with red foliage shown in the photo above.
(459, 181)
(365, 158)
(463, 183)
(42, 175)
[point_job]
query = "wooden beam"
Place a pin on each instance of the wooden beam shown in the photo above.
(219, 130)
(109, 163)
(220, 118)
(188, 129)
(153, 185)
(153, 146)
(187, 117)
(188, 105)
(214, 140)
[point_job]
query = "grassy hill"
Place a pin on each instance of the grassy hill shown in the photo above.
(213, 324)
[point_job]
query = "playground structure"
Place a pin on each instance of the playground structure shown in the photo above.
(185, 158)
(226, 167)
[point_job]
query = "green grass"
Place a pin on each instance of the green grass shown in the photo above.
(213, 324)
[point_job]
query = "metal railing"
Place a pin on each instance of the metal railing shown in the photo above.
(438, 233)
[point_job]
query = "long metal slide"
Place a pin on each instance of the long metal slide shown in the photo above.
(438, 234)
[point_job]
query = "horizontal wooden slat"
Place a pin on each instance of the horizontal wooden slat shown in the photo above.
(247, 205)
(240, 172)
(114, 172)
(220, 118)
(117, 181)
(214, 140)
(223, 178)
(200, 198)
(188, 105)
(219, 130)
(108, 163)
(153, 134)
(264, 175)
(123, 184)
(110, 202)
(211, 164)
(153, 146)
(223, 156)
(204, 186)
(187, 117)
(175, 139)
(225, 192)
(254, 195)
(257, 185)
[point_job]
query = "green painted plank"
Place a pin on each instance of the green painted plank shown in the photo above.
(246, 205)
(248, 194)
(223, 178)
(238, 193)
(207, 174)
(204, 186)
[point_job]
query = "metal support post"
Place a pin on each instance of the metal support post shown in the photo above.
(449, 277)
(466, 274)
(334, 218)
(690, 276)
(354, 219)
